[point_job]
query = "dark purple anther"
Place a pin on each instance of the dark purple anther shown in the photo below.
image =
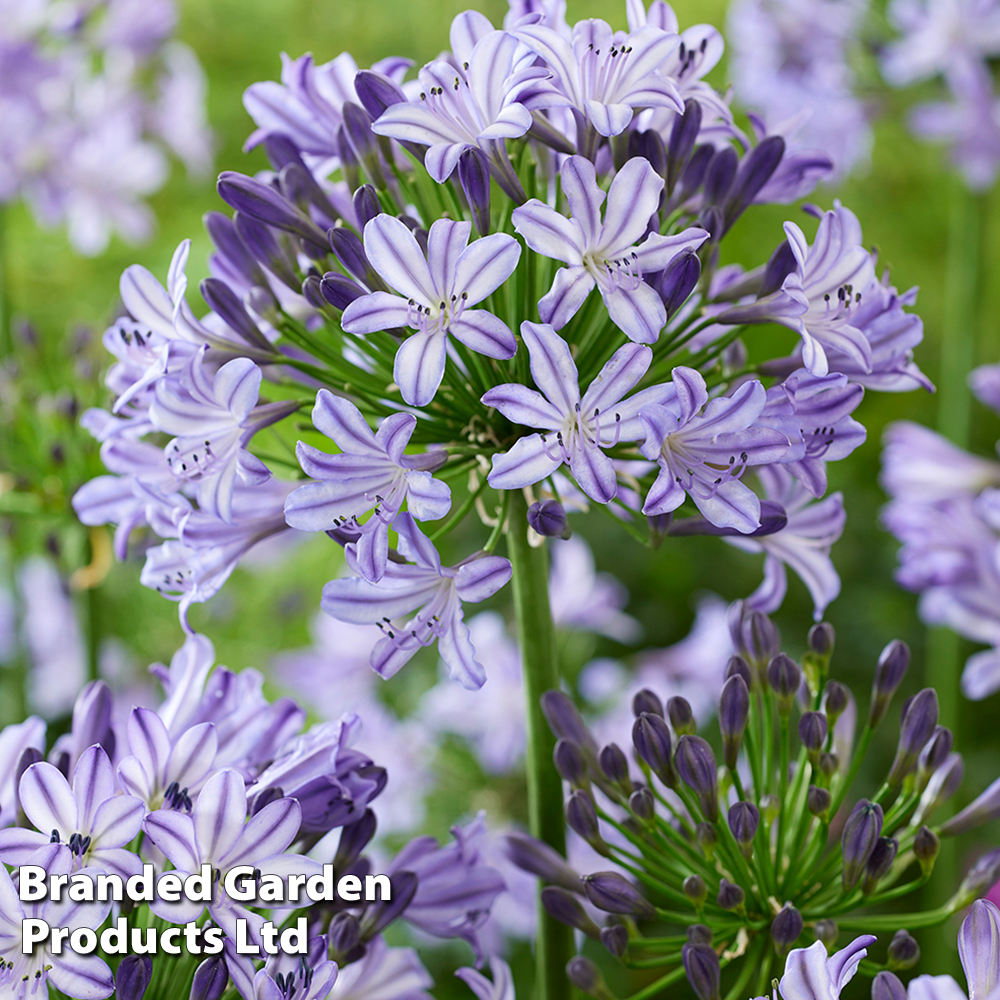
(889, 673)
(680, 715)
(696, 766)
(647, 701)
(581, 817)
(861, 833)
(642, 804)
(132, 977)
(210, 979)
(734, 709)
(345, 934)
(784, 676)
(917, 727)
(565, 720)
(786, 928)
(566, 908)
(366, 205)
(755, 171)
(818, 801)
(651, 739)
(263, 203)
(836, 698)
(548, 518)
(678, 279)
(703, 971)
(539, 859)
(223, 302)
(744, 818)
(879, 863)
(695, 889)
(353, 840)
(780, 264)
(886, 986)
(731, 896)
(570, 763)
(474, 176)
(683, 136)
(613, 893)
(615, 939)
(903, 951)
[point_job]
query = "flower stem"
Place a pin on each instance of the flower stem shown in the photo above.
(536, 636)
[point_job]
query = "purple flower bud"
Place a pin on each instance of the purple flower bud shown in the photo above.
(613, 893)
(979, 949)
(944, 782)
(821, 639)
(585, 976)
(210, 979)
(647, 701)
(696, 766)
(734, 709)
(353, 840)
(92, 717)
(738, 667)
(649, 145)
(731, 896)
(773, 518)
(917, 727)
(29, 756)
(812, 731)
(699, 934)
(364, 142)
(710, 219)
(132, 977)
(581, 816)
(786, 928)
(981, 810)
(263, 203)
(754, 634)
(565, 720)
(827, 931)
(680, 715)
(265, 249)
(563, 906)
(379, 915)
(981, 877)
(694, 173)
(651, 739)
(349, 165)
(377, 92)
(615, 939)
(695, 889)
(707, 837)
(719, 177)
(474, 176)
(903, 952)
(548, 518)
(312, 292)
(886, 986)
(539, 859)
(350, 251)
(836, 698)
(934, 753)
(755, 171)
(223, 301)
(642, 804)
(879, 863)
(785, 677)
(744, 818)
(228, 243)
(614, 764)
(861, 832)
(339, 291)
(683, 136)
(926, 847)
(829, 764)
(300, 188)
(281, 150)
(780, 264)
(678, 279)
(345, 933)
(366, 205)
(818, 801)
(703, 972)
(569, 761)
(893, 663)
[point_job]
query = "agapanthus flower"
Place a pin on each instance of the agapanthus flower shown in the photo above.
(612, 253)
(383, 972)
(502, 986)
(811, 975)
(15, 739)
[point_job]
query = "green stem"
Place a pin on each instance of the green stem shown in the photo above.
(536, 636)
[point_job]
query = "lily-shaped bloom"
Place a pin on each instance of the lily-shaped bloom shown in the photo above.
(811, 975)
(435, 297)
(218, 833)
(821, 296)
(371, 473)
(502, 987)
(90, 817)
(384, 973)
(605, 253)
(577, 428)
(605, 78)
(14, 740)
(309, 977)
(703, 453)
(804, 543)
(166, 773)
(214, 419)
(85, 977)
(433, 592)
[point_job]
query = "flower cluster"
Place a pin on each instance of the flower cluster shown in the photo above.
(501, 277)
(729, 867)
(944, 510)
(216, 774)
(93, 95)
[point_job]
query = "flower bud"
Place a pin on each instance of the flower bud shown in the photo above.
(133, 975)
(703, 971)
(737, 666)
(564, 720)
(757, 638)
(818, 801)
(232, 248)
(829, 763)
(539, 859)
(826, 931)
(354, 838)
(642, 804)
(744, 818)
(861, 832)
(918, 725)
(339, 290)
(784, 676)
(816, 662)
(707, 837)
(585, 976)
(786, 928)
(548, 518)
(719, 178)
(261, 202)
(926, 847)
(933, 755)
(978, 940)
(614, 764)
(886, 986)
(731, 896)
(678, 280)
(651, 739)
(695, 889)
(699, 934)
(568, 758)
(264, 247)
(345, 933)
(474, 176)
(563, 906)
(821, 639)
(755, 170)
(734, 709)
(836, 698)
(613, 893)
(366, 205)
(683, 136)
(680, 715)
(943, 784)
(378, 916)
(615, 939)
(210, 979)
(879, 863)
(647, 701)
(982, 809)
(376, 92)
(889, 673)
(981, 877)
(812, 733)
(904, 952)
(696, 766)
(581, 817)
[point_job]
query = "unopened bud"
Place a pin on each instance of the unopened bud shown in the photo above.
(539, 859)
(695, 889)
(784, 676)
(696, 766)
(821, 639)
(981, 877)
(982, 809)
(680, 715)
(943, 784)
(926, 847)
(345, 933)
(615, 939)
(613, 893)
(889, 673)
(829, 764)
(812, 733)
(904, 952)
(744, 818)
(836, 698)
(738, 667)
(564, 720)
(917, 727)
(568, 758)
(826, 931)
(565, 907)
(581, 817)
(879, 863)
(614, 764)
(647, 701)
(703, 970)
(933, 755)
(210, 979)
(699, 934)
(731, 896)
(734, 709)
(548, 518)
(642, 804)
(651, 739)
(707, 837)
(818, 801)
(133, 975)
(585, 976)
(861, 832)
(886, 986)
(786, 928)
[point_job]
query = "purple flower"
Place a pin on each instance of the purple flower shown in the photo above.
(309, 977)
(803, 544)
(605, 253)
(370, 473)
(383, 972)
(979, 948)
(90, 816)
(455, 887)
(502, 987)
(985, 385)
(810, 975)
(424, 586)
(436, 295)
(579, 428)
(14, 740)
(704, 454)
(218, 833)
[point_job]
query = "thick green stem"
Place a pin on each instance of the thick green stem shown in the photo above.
(536, 636)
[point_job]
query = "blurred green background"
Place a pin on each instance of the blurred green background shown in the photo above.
(903, 201)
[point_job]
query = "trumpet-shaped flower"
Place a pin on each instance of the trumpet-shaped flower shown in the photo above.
(432, 593)
(605, 253)
(436, 293)
(811, 975)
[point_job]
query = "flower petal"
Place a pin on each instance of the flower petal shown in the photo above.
(396, 255)
(569, 291)
(633, 197)
(419, 367)
(521, 405)
(482, 578)
(526, 463)
(374, 312)
(552, 366)
(484, 333)
(638, 312)
(48, 801)
(219, 814)
(485, 265)
(550, 233)
(173, 834)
